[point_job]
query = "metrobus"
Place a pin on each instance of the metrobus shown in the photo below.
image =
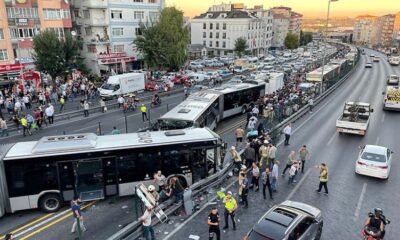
(392, 98)
(207, 108)
(47, 173)
(330, 71)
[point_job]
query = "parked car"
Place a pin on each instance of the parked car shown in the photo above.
(288, 220)
(168, 76)
(224, 73)
(181, 79)
(211, 75)
(151, 86)
(195, 65)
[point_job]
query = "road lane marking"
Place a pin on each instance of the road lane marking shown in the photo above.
(383, 117)
(298, 184)
(331, 139)
(360, 200)
(377, 141)
(54, 222)
(28, 224)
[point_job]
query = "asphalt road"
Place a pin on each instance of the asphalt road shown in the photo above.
(351, 197)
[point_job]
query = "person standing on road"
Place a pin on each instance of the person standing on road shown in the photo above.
(160, 180)
(25, 127)
(287, 131)
(274, 175)
(255, 177)
(143, 109)
(120, 101)
(271, 155)
(62, 103)
(311, 104)
(293, 171)
(289, 162)
(265, 178)
(239, 133)
(86, 109)
(323, 178)
(103, 105)
(237, 160)
(50, 113)
(213, 223)
(304, 155)
(115, 131)
(3, 128)
(148, 231)
(76, 211)
(245, 189)
(263, 151)
(230, 208)
(249, 154)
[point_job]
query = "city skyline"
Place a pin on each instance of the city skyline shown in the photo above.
(309, 8)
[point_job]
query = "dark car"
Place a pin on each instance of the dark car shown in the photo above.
(288, 220)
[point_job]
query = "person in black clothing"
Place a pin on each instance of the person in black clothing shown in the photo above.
(177, 189)
(265, 177)
(245, 191)
(213, 223)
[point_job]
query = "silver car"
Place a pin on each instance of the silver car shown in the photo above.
(290, 221)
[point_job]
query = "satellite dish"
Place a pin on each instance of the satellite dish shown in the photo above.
(73, 33)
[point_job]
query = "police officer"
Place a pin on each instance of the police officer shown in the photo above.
(230, 208)
(143, 109)
(213, 223)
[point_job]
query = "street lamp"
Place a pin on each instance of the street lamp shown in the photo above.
(326, 33)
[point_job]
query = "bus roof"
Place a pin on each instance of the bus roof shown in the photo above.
(235, 87)
(65, 144)
(193, 106)
(315, 76)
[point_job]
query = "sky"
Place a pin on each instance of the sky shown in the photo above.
(309, 8)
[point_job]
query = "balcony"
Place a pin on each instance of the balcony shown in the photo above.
(94, 4)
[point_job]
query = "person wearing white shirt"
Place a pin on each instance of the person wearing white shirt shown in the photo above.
(148, 231)
(287, 131)
(255, 111)
(121, 101)
(274, 175)
(50, 113)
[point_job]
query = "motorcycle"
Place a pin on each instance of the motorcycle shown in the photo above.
(372, 233)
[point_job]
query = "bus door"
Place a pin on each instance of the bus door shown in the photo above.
(110, 176)
(89, 179)
(67, 177)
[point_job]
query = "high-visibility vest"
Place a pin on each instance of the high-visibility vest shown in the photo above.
(230, 205)
(143, 109)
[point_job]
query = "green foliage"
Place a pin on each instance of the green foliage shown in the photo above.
(164, 42)
(305, 38)
(57, 56)
(291, 41)
(240, 46)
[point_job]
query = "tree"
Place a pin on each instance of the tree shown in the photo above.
(291, 41)
(55, 56)
(164, 42)
(305, 38)
(240, 46)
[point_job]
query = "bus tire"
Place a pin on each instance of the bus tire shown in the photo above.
(244, 109)
(50, 202)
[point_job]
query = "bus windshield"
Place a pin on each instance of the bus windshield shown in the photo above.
(167, 124)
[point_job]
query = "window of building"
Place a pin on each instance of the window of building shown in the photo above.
(117, 32)
(118, 48)
(92, 48)
(211, 26)
(3, 54)
(116, 14)
(88, 31)
(204, 26)
(223, 35)
(58, 31)
(204, 34)
(211, 35)
(17, 33)
(152, 1)
(204, 43)
(224, 44)
(76, 13)
(1, 34)
(138, 31)
(86, 14)
(210, 45)
(217, 35)
(216, 44)
(217, 26)
(153, 16)
(138, 1)
(22, 12)
(224, 26)
(138, 15)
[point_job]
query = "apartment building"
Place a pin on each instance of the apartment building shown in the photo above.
(279, 30)
(295, 19)
(364, 29)
(383, 31)
(20, 21)
(396, 29)
(221, 25)
(108, 28)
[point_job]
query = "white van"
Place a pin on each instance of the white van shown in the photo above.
(197, 77)
(122, 84)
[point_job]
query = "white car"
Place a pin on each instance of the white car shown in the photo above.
(374, 161)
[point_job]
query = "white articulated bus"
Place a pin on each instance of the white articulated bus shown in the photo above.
(206, 108)
(46, 173)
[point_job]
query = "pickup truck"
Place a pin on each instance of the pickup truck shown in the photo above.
(355, 118)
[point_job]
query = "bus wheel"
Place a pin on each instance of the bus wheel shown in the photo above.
(50, 203)
(244, 109)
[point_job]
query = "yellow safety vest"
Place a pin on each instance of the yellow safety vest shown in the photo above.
(230, 205)
(24, 122)
(143, 109)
